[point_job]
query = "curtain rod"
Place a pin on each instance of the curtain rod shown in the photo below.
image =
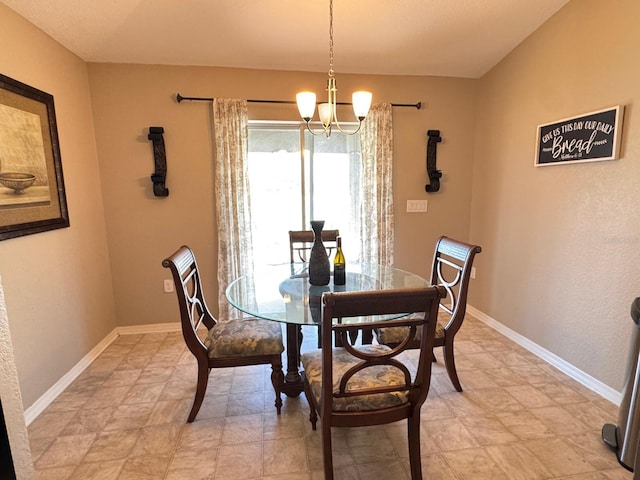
(180, 98)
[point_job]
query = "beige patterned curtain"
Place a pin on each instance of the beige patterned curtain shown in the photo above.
(233, 202)
(376, 145)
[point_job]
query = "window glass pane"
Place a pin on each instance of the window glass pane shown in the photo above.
(275, 180)
(288, 191)
(335, 186)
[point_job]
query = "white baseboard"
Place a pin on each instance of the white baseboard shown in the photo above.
(585, 379)
(31, 413)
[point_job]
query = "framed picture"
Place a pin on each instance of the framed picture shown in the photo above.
(32, 195)
(591, 137)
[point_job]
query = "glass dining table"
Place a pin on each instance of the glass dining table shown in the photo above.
(282, 293)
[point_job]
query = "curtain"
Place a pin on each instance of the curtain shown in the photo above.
(232, 196)
(376, 145)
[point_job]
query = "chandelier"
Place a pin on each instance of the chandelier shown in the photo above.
(327, 112)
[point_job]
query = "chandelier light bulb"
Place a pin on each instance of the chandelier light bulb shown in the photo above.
(306, 105)
(361, 104)
(324, 111)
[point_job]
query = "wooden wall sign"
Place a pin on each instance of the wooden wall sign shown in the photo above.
(159, 177)
(590, 137)
(434, 174)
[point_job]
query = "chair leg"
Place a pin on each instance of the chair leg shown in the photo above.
(450, 363)
(313, 414)
(201, 388)
(277, 380)
(300, 337)
(327, 455)
(413, 426)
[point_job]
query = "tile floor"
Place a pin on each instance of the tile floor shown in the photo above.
(124, 418)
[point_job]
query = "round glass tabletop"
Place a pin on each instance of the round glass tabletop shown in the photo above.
(283, 293)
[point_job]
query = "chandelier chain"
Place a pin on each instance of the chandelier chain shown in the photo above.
(328, 110)
(331, 73)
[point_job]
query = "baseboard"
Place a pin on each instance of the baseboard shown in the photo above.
(31, 413)
(585, 379)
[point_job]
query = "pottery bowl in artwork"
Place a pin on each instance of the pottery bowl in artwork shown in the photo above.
(17, 181)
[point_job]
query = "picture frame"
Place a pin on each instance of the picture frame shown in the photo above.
(590, 137)
(32, 193)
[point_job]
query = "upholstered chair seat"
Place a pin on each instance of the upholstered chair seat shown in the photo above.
(375, 377)
(244, 338)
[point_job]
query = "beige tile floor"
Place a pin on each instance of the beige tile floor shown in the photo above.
(124, 418)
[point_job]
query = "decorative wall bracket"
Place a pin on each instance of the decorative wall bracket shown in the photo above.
(434, 174)
(160, 159)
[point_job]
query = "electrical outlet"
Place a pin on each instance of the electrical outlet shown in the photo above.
(473, 272)
(168, 286)
(416, 206)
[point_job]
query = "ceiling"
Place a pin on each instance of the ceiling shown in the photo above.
(459, 38)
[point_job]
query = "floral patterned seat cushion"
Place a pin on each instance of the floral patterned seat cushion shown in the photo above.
(395, 335)
(244, 338)
(380, 375)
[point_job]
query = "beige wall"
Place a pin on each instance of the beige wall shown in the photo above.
(560, 244)
(57, 284)
(143, 230)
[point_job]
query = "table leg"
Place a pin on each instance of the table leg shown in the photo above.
(293, 384)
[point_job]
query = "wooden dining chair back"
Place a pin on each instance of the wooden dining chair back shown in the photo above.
(356, 386)
(218, 344)
(451, 268)
(301, 241)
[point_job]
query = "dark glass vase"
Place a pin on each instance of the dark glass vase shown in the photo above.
(319, 266)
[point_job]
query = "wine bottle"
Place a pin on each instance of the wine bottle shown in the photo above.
(339, 272)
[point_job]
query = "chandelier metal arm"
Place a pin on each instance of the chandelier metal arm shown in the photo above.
(333, 101)
(326, 131)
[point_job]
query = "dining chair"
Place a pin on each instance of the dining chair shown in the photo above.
(365, 385)
(451, 268)
(218, 344)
